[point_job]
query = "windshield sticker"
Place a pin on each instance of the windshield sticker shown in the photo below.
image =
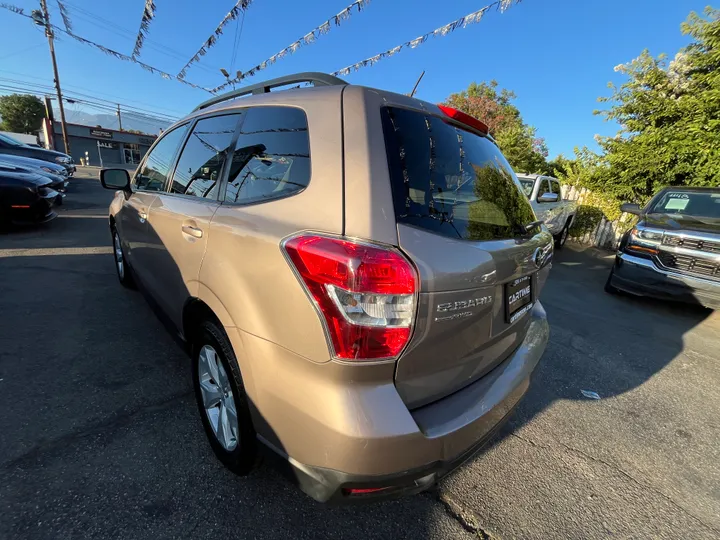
(677, 204)
(678, 196)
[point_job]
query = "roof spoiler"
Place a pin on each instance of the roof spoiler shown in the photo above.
(316, 78)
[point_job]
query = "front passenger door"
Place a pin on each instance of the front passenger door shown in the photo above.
(180, 216)
(149, 180)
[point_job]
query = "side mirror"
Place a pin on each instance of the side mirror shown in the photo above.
(548, 197)
(115, 179)
(631, 208)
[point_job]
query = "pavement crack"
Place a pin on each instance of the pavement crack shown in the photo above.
(32, 456)
(641, 484)
(467, 519)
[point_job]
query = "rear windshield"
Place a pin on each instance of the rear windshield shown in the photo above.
(451, 181)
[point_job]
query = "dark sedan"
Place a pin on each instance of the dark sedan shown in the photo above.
(39, 165)
(10, 146)
(25, 197)
(59, 181)
(674, 250)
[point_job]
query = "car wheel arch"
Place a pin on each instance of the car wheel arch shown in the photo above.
(198, 309)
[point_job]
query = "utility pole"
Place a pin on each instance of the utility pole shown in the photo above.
(43, 19)
(119, 117)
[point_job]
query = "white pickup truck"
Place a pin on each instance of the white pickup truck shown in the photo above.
(546, 199)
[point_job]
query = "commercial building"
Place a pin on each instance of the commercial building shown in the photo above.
(100, 146)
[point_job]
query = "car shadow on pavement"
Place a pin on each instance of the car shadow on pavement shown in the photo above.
(114, 446)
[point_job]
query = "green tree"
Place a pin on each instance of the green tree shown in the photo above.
(669, 113)
(21, 113)
(518, 141)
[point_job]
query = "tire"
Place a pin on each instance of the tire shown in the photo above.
(561, 238)
(235, 447)
(609, 288)
(122, 267)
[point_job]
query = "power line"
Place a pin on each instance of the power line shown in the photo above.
(236, 41)
(71, 99)
(78, 96)
(115, 99)
(240, 5)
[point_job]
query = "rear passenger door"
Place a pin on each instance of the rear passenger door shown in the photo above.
(178, 222)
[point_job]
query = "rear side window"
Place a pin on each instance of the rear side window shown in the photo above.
(451, 181)
(201, 161)
(271, 157)
(156, 168)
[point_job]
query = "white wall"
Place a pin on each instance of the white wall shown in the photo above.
(22, 137)
(607, 233)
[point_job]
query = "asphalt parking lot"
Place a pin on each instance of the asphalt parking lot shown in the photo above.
(100, 437)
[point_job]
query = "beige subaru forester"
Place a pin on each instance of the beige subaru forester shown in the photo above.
(355, 273)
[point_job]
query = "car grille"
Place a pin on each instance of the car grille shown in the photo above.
(690, 265)
(692, 243)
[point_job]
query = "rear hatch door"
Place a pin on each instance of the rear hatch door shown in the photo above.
(462, 220)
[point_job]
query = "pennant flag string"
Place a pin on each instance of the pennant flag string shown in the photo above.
(65, 16)
(240, 5)
(14, 9)
(118, 55)
(462, 22)
(147, 16)
(307, 39)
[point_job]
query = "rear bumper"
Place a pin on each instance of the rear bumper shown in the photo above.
(336, 434)
(643, 277)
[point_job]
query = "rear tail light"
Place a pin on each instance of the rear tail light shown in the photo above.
(362, 491)
(366, 293)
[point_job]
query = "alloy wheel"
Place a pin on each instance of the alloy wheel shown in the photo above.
(119, 260)
(218, 399)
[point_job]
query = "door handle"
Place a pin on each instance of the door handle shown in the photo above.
(192, 231)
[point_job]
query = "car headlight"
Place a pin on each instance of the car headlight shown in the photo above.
(647, 235)
(644, 241)
(62, 159)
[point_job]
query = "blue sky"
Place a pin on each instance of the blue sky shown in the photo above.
(556, 55)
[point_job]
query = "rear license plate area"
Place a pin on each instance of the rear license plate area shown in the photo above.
(518, 298)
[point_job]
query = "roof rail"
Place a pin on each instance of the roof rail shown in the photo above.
(316, 78)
